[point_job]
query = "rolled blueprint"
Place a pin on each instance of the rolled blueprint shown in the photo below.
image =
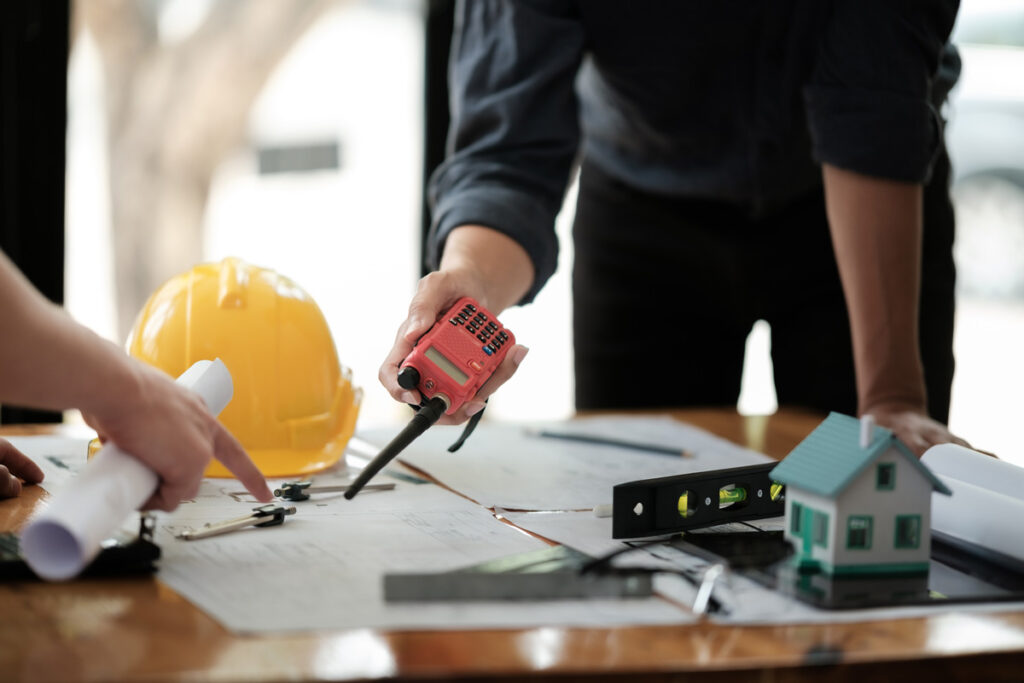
(60, 541)
(987, 502)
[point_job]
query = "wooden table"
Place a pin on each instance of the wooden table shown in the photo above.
(139, 630)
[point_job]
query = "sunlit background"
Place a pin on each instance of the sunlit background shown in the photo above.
(325, 187)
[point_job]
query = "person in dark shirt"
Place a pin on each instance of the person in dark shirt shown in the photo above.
(738, 161)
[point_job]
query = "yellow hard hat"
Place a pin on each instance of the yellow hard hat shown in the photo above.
(294, 406)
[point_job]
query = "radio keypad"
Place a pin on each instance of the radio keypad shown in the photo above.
(487, 331)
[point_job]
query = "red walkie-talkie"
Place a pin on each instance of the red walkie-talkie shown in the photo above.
(447, 366)
(457, 355)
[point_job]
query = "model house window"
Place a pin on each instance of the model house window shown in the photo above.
(908, 531)
(886, 476)
(797, 513)
(858, 532)
(820, 529)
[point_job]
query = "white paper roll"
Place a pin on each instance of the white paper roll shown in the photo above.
(63, 538)
(987, 502)
(982, 470)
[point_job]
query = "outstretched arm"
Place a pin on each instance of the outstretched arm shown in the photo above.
(876, 230)
(49, 361)
(511, 147)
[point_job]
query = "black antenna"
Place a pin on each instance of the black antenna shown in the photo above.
(428, 414)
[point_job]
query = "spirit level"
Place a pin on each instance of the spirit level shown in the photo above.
(649, 507)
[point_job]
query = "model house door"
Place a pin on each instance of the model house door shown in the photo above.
(806, 529)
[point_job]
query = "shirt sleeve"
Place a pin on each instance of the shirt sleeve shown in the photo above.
(514, 129)
(869, 102)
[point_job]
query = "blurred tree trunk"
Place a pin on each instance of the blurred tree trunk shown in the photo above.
(174, 111)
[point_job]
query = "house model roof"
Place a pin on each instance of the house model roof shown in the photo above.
(831, 457)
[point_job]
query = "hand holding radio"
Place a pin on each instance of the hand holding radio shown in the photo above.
(447, 366)
(430, 315)
(459, 353)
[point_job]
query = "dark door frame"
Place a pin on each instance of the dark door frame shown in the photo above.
(34, 50)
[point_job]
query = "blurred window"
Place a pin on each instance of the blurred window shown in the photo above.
(995, 24)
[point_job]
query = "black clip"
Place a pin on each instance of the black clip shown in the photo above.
(276, 513)
(293, 490)
(147, 526)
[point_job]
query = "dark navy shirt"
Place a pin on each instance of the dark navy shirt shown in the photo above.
(730, 100)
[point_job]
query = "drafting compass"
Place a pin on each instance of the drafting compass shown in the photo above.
(264, 515)
(300, 490)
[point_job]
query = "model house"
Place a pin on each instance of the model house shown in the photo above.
(858, 501)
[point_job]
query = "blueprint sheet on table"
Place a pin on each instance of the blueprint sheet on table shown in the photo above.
(506, 465)
(323, 568)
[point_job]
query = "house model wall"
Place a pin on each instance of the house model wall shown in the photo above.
(858, 501)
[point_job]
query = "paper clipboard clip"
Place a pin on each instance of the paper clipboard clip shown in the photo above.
(651, 507)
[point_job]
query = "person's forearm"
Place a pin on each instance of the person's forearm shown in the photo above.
(46, 359)
(501, 265)
(876, 231)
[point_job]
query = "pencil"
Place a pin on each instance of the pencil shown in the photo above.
(605, 441)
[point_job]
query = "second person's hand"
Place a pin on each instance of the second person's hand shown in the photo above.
(168, 428)
(15, 466)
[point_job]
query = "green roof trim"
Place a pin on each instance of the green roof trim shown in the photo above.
(830, 458)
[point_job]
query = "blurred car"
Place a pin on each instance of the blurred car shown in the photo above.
(985, 137)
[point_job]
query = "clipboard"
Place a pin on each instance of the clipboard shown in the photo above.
(121, 555)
